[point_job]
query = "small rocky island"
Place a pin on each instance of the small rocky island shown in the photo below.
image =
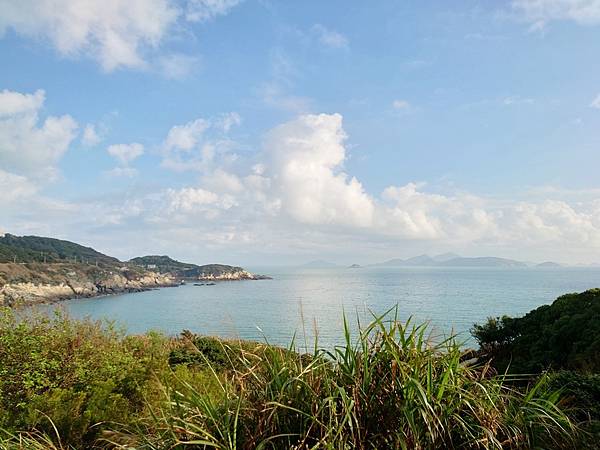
(37, 269)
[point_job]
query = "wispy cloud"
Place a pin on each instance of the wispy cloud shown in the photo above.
(116, 34)
(177, 66)
(330, 38)
(516, 100)
(541, 12)
(29, 144)
(204, 10)
(401, 105)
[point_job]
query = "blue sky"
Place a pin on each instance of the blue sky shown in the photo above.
(275, 132)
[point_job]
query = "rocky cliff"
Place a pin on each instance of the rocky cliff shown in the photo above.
(35, 269)
(40, 283)
(188, 271)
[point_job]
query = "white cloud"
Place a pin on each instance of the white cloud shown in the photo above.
(596, 103)
(203, 10)
(125, 153)
(295, 196)
(305, 156)
(223, 181)
(115, 33)
(13, 103)
(15, 187)
(275, 96)
(178, 66)
(401, 104)
(196, 144)
(516, 100)
(298, 184)
(185, 137)
(90, 137)
(330, 38)
(412, 213)
(229, 120)
(122, 172)
(28, 145)
(540, 12)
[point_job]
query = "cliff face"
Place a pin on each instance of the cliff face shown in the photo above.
(35, 269)
(213, 272)
(237, 274)
(37, 283)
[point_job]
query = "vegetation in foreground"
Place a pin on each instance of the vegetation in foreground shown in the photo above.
(74, 385)
(562, 339)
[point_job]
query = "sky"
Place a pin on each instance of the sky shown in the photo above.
(267, 132)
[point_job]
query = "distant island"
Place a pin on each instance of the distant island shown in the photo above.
(451, 260)
(443, 260)
(548, 264)
(36, 269)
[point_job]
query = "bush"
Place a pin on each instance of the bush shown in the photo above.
(389, 388)
(72, 374)
(563, 335)
(200, 350)
(68, 384)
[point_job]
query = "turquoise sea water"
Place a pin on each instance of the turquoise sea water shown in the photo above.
(300, 300)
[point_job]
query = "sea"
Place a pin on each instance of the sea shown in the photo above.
(300, 306)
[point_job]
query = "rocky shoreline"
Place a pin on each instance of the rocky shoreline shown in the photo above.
(30, 293)
(31, 284)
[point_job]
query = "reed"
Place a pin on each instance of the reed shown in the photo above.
(390, 386)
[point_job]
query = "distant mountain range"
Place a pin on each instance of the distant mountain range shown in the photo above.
(443, 260)
(548, 264)
(451, 260)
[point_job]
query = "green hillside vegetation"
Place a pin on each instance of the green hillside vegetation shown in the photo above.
(563, 338)
(78, 385)
(42, 249)
(563, 335)
(163, 263)
(36, 249)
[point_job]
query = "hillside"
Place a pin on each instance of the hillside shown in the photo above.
(548, 264)
(451, 260)
(483, 261)
(36, 269)
(28, 249)
(161, 264)
(551, 336)
(167, 265)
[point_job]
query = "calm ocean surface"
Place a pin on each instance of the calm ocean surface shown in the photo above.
(450, 299)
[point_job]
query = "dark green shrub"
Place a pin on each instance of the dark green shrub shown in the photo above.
(72, 374)
(563, 335)
(203, 350)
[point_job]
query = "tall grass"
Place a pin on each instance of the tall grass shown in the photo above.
(68, 385)
(389, 387)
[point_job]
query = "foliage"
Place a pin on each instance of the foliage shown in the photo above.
(162, 263)
(185, 270)
(390, 388)
(40, 249)
(200, 350)
(79, 374)
(68, 384)
(582, 391)
(563, 335)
